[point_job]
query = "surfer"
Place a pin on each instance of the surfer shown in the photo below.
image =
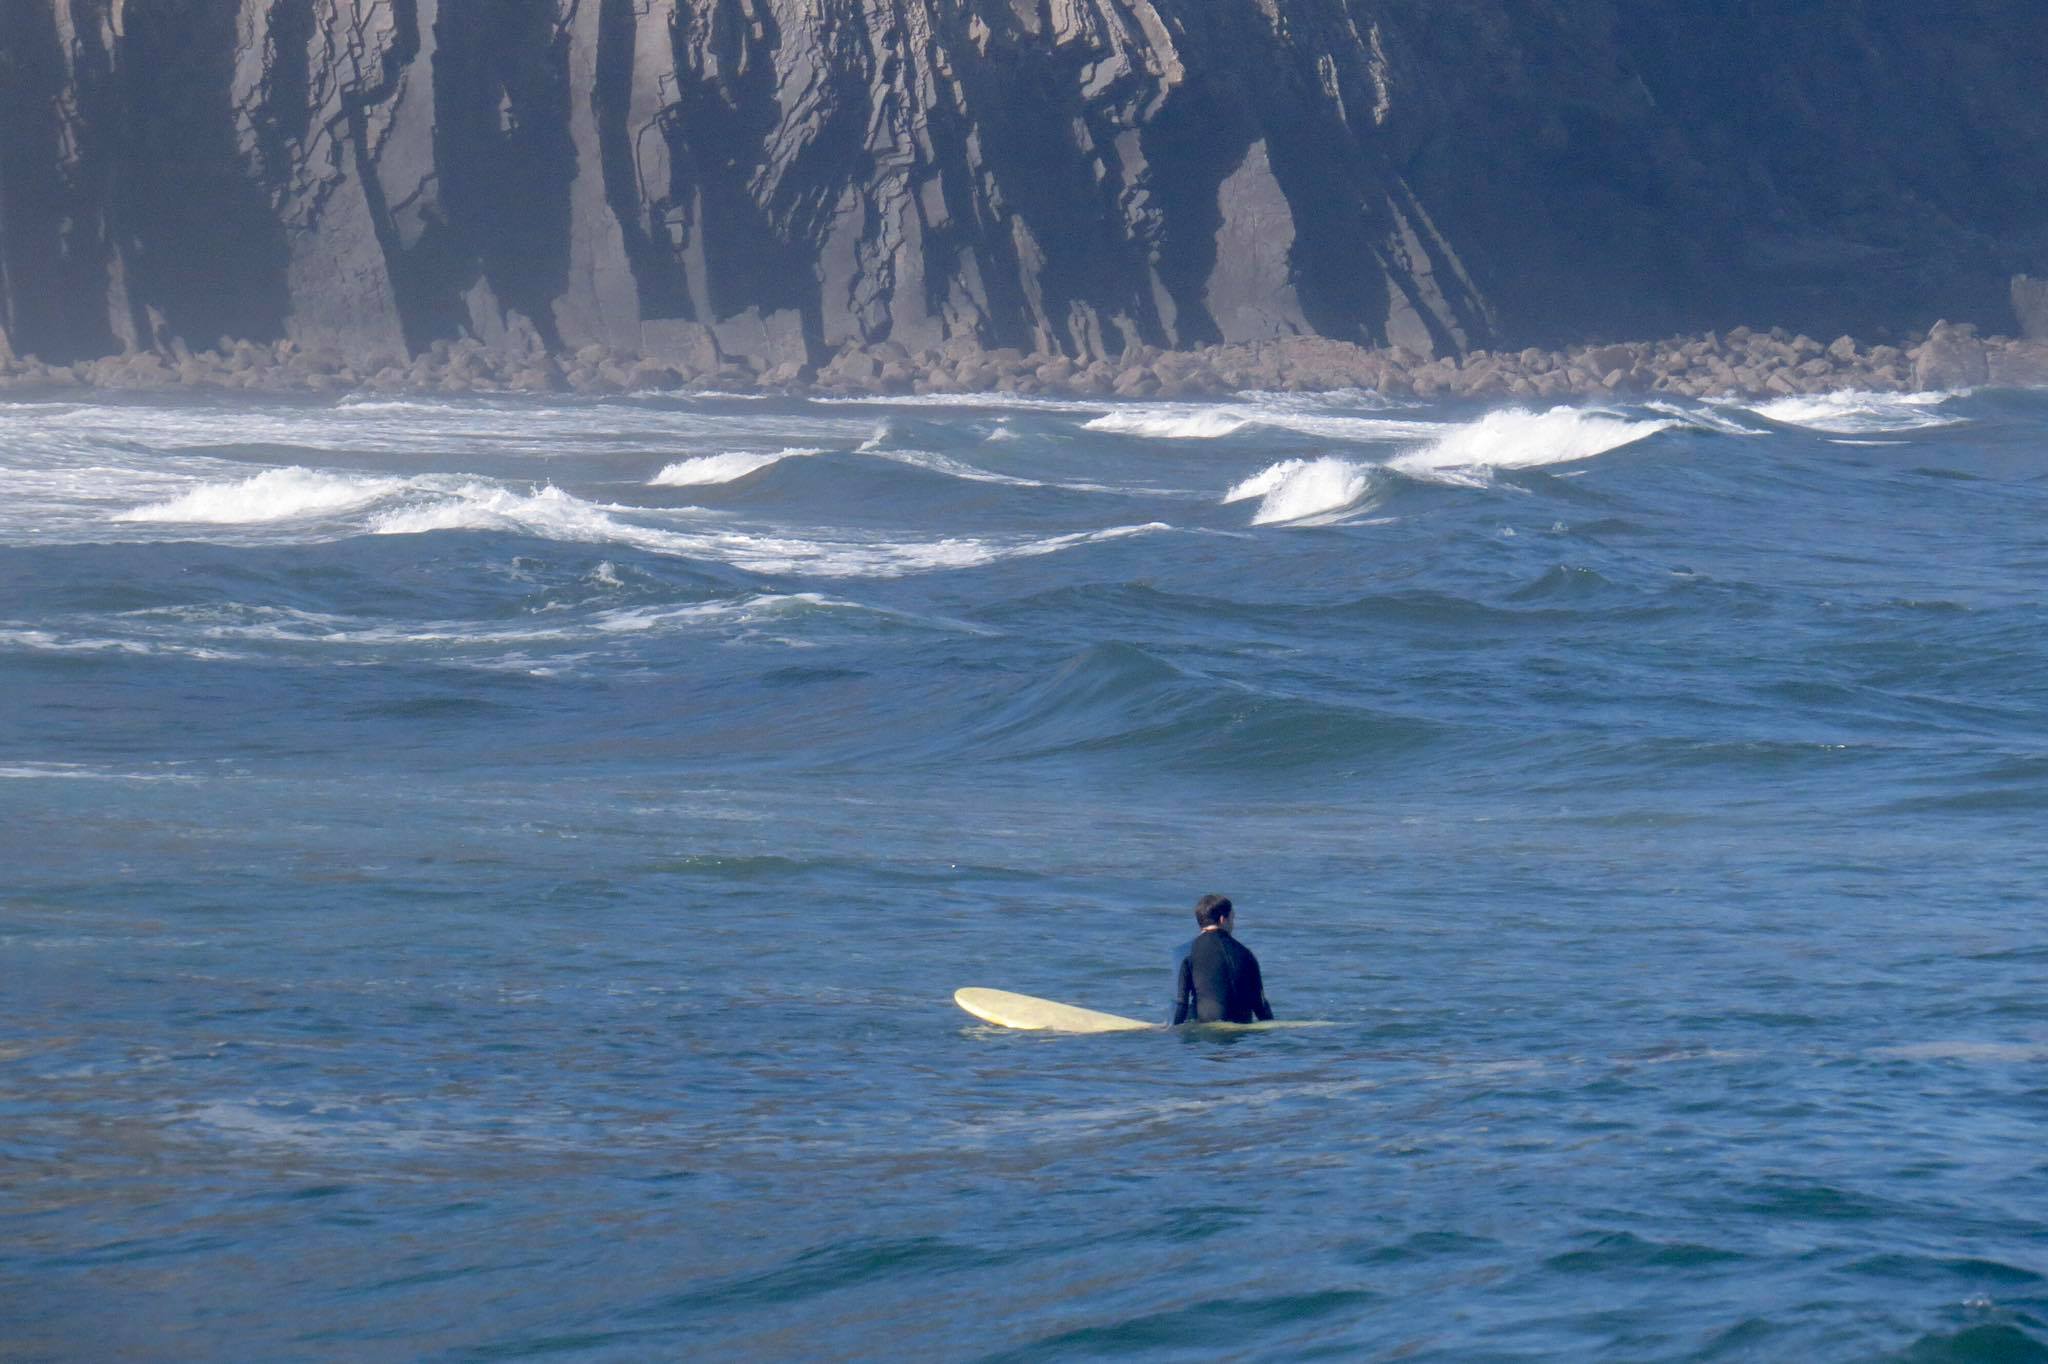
(1219, 977)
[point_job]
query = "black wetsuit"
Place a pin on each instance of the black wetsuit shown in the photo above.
(1220, 983)
(1180, 959)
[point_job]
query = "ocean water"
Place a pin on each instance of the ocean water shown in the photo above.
(486, 879)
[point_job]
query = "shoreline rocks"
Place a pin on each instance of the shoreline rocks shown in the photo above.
(1743, 362)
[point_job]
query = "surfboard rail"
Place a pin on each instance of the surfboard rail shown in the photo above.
(1028, 1013)
(1010, 1010)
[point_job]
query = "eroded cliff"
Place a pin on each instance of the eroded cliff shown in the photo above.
(772, 181)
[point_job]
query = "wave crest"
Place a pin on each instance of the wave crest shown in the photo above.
(1303, 490)
(724, 468)
(1279, 412)
(1516, 438)
(1171, 423)
(286, 494)
(1853, 413)
(556, 515)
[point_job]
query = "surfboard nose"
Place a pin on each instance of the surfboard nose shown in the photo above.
(1031, 1014)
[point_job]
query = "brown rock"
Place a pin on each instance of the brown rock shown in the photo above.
(1952, 357)
(2020, 364)
(1609, 358)
(1135, 382)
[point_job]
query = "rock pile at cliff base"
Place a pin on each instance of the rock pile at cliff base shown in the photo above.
(1743, 361)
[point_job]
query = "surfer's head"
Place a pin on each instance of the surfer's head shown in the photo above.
(1213, 911)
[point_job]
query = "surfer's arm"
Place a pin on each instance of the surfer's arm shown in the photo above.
(1262, 1011)
(1184, 993)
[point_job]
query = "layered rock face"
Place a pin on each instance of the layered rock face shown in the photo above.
(775, 182)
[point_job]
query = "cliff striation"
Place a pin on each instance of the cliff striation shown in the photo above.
(775, 184)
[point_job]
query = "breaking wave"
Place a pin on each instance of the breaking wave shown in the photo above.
(1313, 491)
(1705, 418)
(1515, 438)
(557, 515)
(424, 504)
(1853, 413)
(726, 468)
(1302, 491)
(274, 495)
(1172, 423)
(1280, 412)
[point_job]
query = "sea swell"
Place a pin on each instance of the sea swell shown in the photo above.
(581, 824)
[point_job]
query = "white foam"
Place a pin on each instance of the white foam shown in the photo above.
(953, 468)
(507, 426)
(33, 771)
(725, 468)
(558, 629)
(1515, 438)
(481, 506)
(1302, 491)
(1365, 430)
(1855, 413)
(984, 401)
(1304, 414)
(1704, 417)
(50, 642)
(642, 619)
(273, 495)
(557, 515)
(1171, 423)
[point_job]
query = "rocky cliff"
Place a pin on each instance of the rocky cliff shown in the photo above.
(773, 181)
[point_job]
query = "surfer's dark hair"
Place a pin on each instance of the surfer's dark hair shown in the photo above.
(1211, 909)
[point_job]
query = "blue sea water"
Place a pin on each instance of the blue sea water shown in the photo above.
(486, 879)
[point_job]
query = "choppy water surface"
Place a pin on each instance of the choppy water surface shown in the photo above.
(487, 879)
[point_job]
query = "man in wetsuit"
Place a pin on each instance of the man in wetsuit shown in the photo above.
(1220, 981)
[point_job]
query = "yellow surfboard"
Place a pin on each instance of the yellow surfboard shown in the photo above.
(1040, 1015)
(1031, 1014)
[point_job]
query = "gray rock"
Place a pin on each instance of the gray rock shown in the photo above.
(687, 346)
(1136, 382)
(1070, 176)
(2030, 306)
(1608, 358)
(763, 341)
(2020, 364)
(1951, 358)
(1250, 293)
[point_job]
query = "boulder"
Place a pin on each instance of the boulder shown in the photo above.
(1606, 359)
(763, 340)
(2030, 305)
(788, 374)
(1951, 358)
(2020, 364)
(1135, 382)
